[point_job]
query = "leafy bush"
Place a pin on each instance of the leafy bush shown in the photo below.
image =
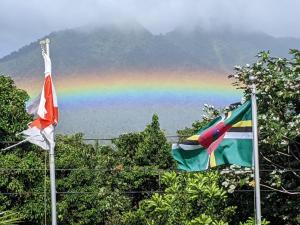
(188, 198)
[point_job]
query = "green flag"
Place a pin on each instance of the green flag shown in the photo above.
(225, 140)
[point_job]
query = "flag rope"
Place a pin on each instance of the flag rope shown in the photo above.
(17, 144)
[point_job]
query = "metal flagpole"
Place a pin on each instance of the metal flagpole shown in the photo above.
(51, 160)
(255, 151)
(52, 183)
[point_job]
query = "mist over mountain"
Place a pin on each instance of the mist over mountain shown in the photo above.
(117, 48)
(111, 79)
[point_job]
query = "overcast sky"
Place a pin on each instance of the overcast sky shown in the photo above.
(24, 21)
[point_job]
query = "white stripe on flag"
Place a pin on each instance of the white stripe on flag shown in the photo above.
(186, 147)
(36, 137)
(238, 135)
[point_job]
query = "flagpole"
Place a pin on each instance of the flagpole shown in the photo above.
(51, 160)
(52, 183)
(255, 151)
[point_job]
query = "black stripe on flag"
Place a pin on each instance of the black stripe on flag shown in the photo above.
(240, 129)
(189, 142)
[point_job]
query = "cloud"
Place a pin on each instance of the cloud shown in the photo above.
(22, 22)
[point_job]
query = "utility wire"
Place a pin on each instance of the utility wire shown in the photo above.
(138, 192)
(149, 170)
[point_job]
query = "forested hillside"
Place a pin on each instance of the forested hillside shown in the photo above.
(96, 49)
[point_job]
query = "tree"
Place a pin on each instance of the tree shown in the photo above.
(21, 180)
(278, 96)
(154, 149)
(85, 183)
(142, 157)
(13, 117)
(147, 148)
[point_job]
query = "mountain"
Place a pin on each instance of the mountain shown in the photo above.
(115, 48)
(225, 48)
(111, 79)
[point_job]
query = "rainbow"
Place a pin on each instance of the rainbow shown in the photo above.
(138, 88)
(111, 103)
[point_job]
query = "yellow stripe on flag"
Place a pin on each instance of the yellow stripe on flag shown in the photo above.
(228, 114)
(193, 138)
(212, 160)
(245, 123)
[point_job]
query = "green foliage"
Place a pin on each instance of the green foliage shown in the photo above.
(147, 148)
(188, 198)
(13, 117)
(128, 144)
(154, 149)
(278, 91)
(104, 174)
(9, 218)
(86, 174)
(251, 221)
(83, 172)
(22, 176)
(141, 157)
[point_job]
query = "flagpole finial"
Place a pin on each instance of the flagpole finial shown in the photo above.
(45, 45)
(252, 86)
(45, 41)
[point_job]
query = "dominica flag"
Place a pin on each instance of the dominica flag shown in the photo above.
(225, 140)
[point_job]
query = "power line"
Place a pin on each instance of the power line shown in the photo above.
(124, 192)
(102, 139)
(149, 170)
